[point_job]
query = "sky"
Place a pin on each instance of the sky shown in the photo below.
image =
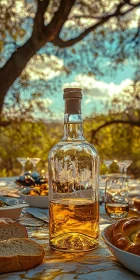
(97, 90)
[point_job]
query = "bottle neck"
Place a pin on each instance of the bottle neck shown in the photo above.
(73, 125)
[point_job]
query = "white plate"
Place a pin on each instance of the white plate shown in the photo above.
(14, 209)
(129, 260)
(35, 201)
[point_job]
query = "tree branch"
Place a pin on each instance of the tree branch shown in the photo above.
(85, 16)
(132, 123)
(129, 10)
(59, 18)
(39, 17)
(5, 123)
(40, 36)
(64, 44)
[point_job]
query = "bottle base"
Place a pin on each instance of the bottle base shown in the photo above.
(73, 242)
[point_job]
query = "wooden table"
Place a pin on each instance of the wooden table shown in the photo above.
(98, 264)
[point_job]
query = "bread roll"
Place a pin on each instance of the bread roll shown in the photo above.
(126, 235)
(118, 226)
(19, 254)
(134, 249)
(121, 241)
(11, 229)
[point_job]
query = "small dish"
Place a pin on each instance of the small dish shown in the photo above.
(35, 200)
(14, 208)
(129, 260)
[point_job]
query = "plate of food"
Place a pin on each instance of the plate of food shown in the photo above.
(29, 179)
(36, 196)
(123, 240)
(11, 207)
(34, 189)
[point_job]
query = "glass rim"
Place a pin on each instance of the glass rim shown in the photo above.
(117, 175)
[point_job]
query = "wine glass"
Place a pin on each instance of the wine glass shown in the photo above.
(120, 165)
(116, 196)
(127, 164)
(34, 161)
(108, 163)
(22, 162)
(123, 165)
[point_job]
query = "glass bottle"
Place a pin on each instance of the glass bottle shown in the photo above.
(73, 184)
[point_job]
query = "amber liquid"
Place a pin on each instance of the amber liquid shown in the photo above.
(74, 224)
(116, 210)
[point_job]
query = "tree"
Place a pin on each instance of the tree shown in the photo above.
(27, 26)
(124, 110)
(26, 139)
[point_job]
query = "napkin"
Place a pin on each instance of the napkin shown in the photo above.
(39, 213)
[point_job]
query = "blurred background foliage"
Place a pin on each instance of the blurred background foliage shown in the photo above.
(35, 139)
(81, 33)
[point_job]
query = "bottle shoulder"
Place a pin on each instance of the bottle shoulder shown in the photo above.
(75, 146)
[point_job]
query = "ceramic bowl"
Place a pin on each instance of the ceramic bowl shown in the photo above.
(33, 200)
(129, 260)
(14, 208)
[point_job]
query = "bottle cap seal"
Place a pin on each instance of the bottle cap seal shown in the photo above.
(72, 93)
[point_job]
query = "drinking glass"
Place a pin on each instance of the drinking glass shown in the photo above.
(123, 165)
(34, 161)
(22, 162)
(127, 163)
(108, 163)
(116, 196)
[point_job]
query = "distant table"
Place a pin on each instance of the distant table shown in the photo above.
(98, 264)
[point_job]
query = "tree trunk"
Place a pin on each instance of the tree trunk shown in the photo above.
(15, 65)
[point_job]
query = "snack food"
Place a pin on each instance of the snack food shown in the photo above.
(39, 190)
(10, 229)
(126, 235)
(19, 254)
(32, 179)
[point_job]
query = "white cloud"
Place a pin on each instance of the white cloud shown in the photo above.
(99, 90)
(41, 66)
(87, 101)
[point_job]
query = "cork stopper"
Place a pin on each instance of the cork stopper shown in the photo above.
(73, 98)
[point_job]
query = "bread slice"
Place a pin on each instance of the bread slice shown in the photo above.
(11, 229)
(19, 254)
